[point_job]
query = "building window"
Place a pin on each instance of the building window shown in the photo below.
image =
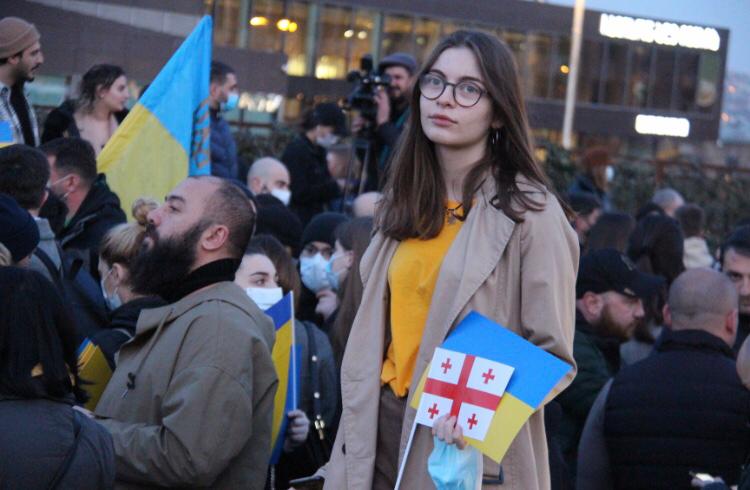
(663, 79)
(397, 35)
(427, 35)
(297, 34)
(640, 71)
(614, 81)
(589, 72)
(562, 61)
(687, 80)
(226, 24)
(333, 44)
(363, 37)
(540, 60)
(709, 74)
(265, 32)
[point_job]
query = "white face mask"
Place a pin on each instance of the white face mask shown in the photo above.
(283, 195)
(265, 297)
(327, 141)
(610, 173)
(313, 272)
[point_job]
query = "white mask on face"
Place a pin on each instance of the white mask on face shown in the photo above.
(313, 272)
(283, 195)
(610, 173)
(327, 141)
(265, 297)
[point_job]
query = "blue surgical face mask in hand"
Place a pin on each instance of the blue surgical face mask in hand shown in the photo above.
(455, 469)
(313, 273)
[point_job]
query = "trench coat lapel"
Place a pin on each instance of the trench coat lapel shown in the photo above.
(474, 254)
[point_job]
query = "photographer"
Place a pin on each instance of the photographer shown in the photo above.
(392, 113)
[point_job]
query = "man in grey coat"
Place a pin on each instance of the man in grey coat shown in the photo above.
(190, 403)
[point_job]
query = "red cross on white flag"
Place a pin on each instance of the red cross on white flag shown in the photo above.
(465, 386)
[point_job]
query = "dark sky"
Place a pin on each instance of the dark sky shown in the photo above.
(731, 14)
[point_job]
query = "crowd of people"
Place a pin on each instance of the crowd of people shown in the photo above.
(384, 257)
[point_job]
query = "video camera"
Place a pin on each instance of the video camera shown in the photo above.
(362, 98)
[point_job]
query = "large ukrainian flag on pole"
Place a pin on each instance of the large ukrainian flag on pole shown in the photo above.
(165, 137)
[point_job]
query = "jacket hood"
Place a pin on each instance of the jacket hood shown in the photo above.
(225, 291)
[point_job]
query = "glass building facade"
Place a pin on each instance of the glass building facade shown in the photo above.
(326, 41)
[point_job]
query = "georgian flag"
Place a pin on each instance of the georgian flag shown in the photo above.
(466, 386)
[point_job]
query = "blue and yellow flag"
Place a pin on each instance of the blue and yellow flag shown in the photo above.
(94, 371)
(286, 361)
(491, 378)
(165, 137)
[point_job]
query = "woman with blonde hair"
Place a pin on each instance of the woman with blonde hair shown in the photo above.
(117, 250)
(468, 222)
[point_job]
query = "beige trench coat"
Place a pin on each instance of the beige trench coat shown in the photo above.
(520, 275)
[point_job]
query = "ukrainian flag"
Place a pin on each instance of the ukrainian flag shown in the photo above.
(166, 134)
(286, 361)
(536, 372)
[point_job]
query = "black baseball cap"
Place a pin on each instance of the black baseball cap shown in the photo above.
(608, 270)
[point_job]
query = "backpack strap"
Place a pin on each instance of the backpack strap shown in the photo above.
(63, 468)
(54, 272)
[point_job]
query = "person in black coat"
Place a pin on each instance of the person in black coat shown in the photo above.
(92, 208)
(46, 443)
(118, 249)
(305, 158)
(683, 409)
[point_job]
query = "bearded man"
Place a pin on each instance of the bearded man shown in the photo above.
(190, 403)
(610, 293)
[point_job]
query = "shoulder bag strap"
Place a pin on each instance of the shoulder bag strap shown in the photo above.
(63, 469)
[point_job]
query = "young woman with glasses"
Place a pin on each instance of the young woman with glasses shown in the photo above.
(468, 222)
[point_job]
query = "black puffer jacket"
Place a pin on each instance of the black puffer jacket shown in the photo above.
(682, 409)
(36, 437)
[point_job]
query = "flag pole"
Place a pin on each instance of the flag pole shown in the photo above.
(294, 355)
(402, 467)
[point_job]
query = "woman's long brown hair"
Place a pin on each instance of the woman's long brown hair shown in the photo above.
(413, 204)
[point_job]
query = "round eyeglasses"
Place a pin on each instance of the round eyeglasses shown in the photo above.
(466, 94)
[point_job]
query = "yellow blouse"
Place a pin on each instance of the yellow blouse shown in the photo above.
(412, 275)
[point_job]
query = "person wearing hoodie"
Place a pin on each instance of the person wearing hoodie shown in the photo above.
(92, 208)
(118, 249)
(305, 158)
(190, 403)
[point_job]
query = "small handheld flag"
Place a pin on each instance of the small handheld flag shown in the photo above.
(491, 379)
(94, 371)
(286, 361)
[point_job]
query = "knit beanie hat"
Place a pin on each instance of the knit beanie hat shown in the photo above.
(321, 228)
(15, 36)
(278, 220)
(18, 230)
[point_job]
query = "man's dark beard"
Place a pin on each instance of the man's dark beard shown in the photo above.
(608, 327)
(162, 267)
